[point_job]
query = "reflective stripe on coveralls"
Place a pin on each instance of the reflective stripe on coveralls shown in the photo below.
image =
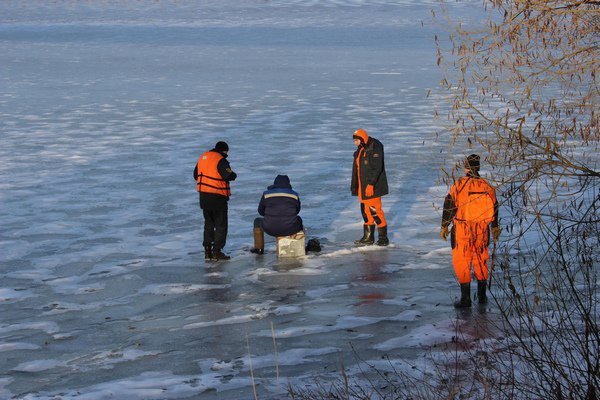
(209, 178)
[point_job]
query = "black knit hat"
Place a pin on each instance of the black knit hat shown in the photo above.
(221, 146)
(472, 162)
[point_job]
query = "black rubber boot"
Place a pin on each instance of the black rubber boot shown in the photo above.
(382, 239)
(259, 241)
(368, 236)
(207, 252)
(465, 296)
(481, 295)
(219, 255)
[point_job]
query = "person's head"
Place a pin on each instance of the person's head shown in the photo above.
(360, 137)
(472, 164)
(222, 147)
(281, 181)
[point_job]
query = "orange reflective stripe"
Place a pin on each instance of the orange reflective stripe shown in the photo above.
(360, 151)
(207, 170)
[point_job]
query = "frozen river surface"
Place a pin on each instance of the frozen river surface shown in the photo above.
(105, 108)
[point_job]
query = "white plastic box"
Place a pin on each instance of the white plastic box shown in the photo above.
(291, 246)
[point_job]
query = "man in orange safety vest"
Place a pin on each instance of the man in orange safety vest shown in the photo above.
(213, 174)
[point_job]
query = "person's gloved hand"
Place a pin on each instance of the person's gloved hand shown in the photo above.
(496, 232)
(369, 190)
(444, 233)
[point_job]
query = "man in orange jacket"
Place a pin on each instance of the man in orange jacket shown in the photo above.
(470, 207)
(369, 183)
(213, 174)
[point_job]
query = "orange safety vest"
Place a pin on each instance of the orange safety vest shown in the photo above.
(209, 178)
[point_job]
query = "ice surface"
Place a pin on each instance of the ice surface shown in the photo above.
(105, 107)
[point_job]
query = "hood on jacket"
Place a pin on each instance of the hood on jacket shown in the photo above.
(361, 135)
(281, 182)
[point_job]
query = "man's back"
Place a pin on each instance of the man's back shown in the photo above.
(474, 199)
(280, 206)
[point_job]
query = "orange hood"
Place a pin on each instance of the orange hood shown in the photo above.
(361, 135)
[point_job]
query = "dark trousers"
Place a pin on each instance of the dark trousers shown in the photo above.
(215, 228)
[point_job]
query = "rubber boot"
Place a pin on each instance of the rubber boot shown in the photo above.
(207, 252)
(465, 296)
(217, 255)
(368, 236)
(481, 295)
(382, 239)
(259, 241)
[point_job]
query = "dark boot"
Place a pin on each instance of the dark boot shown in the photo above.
(259, 241)
(382, 239)
(207, 252)
(217, 255)
(368, 236)
(481, 295)
(465, 296)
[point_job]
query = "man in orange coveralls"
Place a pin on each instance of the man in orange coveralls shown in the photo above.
(470, 207)
(369, 183)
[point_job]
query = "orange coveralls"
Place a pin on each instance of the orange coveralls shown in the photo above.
(470, 217)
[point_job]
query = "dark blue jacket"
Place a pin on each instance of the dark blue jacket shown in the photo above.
(280, 206)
